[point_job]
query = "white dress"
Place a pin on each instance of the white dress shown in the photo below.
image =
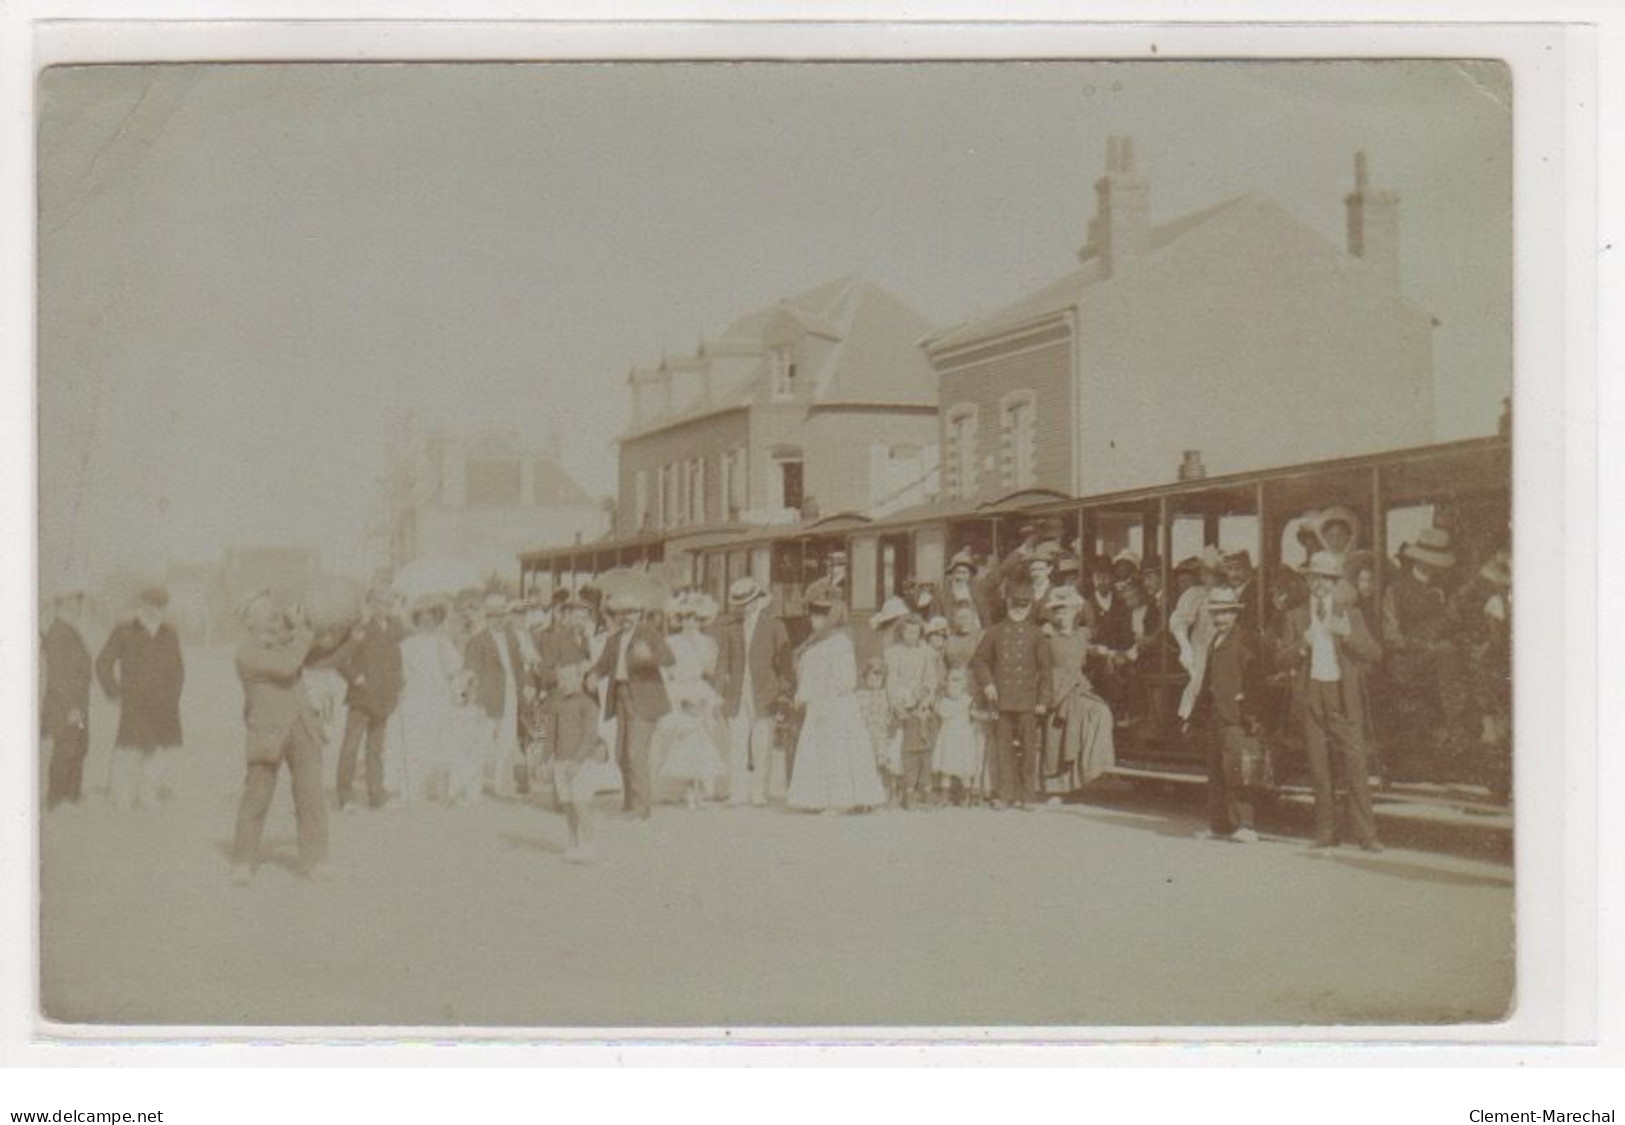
(835, 761)
(958, 752)
(686, 740)
(428, 708)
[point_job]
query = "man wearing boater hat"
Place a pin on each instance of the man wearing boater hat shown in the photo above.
(1329, 648)
(629, 670)
(757, 664)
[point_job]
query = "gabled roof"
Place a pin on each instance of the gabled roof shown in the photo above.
(873, 358)
(1067, 291)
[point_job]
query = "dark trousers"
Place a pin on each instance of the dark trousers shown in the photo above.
(1325, 720)
(69, 745)
(1229, 801)
(916, 776)
(359, 721)
(1018, 754)
(632, 738)
(304, 758)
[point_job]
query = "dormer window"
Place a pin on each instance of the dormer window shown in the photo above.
(783, 367)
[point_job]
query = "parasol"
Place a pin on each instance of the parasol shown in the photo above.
(647, 590)
(438, 574)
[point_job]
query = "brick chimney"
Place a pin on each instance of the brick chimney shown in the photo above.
(1120, 230)
(1373, 224)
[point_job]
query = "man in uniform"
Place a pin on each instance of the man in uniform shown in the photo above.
(1012, 671)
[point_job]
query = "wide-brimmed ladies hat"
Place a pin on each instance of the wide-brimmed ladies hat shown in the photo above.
(894, 609)
(1337, 514)
(1323, 564)
(1358, 561)
(744, 591)
(1432, 546)
(622, 603)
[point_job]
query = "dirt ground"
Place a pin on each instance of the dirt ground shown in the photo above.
(1074, 916)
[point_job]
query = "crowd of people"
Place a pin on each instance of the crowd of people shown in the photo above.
(1007, 682)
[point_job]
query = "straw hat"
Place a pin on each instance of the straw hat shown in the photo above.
(895, 609)
(1498, 570)
(1222, 599)
(744, 591)
(1337, 514)
(1322, 565)
(962, 560)
(1431, 547)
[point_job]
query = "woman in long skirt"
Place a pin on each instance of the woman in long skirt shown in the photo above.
(835, 765)
(429, 666)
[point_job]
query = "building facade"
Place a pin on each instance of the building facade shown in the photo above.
(482, 496)
(1237, 332)
(819, 404)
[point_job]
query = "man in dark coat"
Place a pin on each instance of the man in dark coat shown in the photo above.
(1328, 646)
(282, 728)
(629, 670)
(370, 663)
(1111, 637)
(757, 666)
(1231, 691)
(141, 667)
(568, 640)
(494, 658)
(1012, 671)
(65, 710)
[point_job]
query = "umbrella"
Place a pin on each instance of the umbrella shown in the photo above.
(438, 574)
(644, 588)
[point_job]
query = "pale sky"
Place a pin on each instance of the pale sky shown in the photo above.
(250, 274)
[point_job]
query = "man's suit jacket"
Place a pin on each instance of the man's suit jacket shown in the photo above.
(1355, 653)
(645, 689)
(1112, 627)
(370, 663)
(68, 673)
(274, 702)
(491, 683)
(1014, 656)
(771, 661)
(557, 647)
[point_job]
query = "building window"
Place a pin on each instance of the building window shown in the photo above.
(640, 501)
(491, 483)
(960, 459)
(696, 490)
(1018, 453)
(668, 496)
(734, 481)
(788, 470)
(784, 372)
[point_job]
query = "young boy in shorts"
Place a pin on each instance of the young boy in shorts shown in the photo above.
(574, 741)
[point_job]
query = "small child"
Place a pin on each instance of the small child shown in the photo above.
(884, 736)
(573, 725)
(958, 755)
(936, 635)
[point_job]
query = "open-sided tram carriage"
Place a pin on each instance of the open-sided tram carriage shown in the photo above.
(1463, 486)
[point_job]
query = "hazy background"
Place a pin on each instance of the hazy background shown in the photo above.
(250, 274)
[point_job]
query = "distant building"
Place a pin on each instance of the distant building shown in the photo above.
(818, 404)
(483, 496)
(1236, 331)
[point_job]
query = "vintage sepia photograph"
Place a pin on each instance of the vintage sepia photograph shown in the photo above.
(776, 544)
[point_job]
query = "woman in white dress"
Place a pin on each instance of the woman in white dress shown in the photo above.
(834, 764)
(687, 740)
(429, 666)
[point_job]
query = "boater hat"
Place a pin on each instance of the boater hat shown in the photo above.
(1222, 599)
(894, 610)
(1431, 547)
(1323, 565)
(1337, 514)
(744, 591)
(963, 560)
